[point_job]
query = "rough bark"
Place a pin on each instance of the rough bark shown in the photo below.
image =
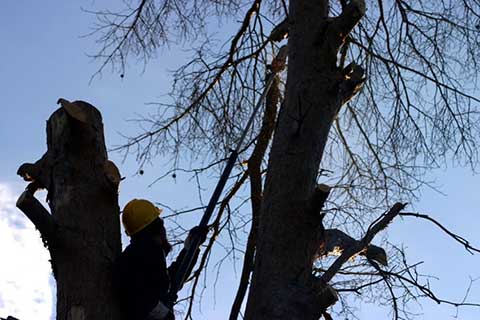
(288, 236)
(83, 200)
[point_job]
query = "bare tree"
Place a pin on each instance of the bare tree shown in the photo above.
(376, 94)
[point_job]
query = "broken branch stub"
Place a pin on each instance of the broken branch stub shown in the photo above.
(40, 217)
(318, 198)
(279, 32)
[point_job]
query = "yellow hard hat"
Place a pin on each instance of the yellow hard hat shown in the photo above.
(138, 214)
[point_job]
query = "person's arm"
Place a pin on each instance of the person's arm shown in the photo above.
(195, 232)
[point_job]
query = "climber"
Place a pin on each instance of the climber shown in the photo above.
(141, 276)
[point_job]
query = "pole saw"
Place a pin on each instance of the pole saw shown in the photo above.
(277, 65)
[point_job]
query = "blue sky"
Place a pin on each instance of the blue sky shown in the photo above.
(44, 58)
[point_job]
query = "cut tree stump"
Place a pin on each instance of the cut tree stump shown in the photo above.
(84, 220)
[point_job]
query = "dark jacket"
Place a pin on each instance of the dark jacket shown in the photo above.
(141, 278)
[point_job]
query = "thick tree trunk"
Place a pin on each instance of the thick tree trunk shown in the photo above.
(289, 234)
(84, 204)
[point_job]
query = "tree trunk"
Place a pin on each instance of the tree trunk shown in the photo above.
(83, 199)
(289, 234)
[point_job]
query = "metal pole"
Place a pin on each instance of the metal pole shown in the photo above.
(186, 262)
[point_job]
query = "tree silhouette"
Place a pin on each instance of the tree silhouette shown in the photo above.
(376, 94)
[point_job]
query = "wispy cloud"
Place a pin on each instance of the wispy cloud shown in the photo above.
(25, 286)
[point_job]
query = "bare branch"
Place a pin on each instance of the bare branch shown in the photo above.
(456, 237)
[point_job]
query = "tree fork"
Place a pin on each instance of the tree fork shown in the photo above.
(84, 220)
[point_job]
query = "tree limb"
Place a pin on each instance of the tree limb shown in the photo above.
(377, 226)
(337, 240)
(39, 216)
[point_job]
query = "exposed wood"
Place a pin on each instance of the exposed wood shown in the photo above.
(352, 82)
(338, 241)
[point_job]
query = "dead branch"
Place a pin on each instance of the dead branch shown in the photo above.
(338, 241)
(377, 226)
(40, 217)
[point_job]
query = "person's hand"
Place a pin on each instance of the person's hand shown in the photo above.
(197, 232)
